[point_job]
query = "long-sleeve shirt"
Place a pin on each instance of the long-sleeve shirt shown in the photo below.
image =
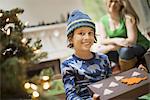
(79, 73)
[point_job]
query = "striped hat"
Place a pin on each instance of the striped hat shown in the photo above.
(78, 19)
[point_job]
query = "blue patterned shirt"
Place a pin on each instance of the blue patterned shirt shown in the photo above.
(78, 73)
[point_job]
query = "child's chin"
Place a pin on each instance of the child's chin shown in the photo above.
(86, 49)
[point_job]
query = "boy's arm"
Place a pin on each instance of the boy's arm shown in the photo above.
(69, 83)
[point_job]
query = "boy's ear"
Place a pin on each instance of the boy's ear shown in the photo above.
(70, 39)
(70, 36)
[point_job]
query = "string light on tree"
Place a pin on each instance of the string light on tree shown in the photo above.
(8, 31)
(17, 15)
(24, 40)
(7, 20)
(27, 85)
(45, 78)
(33, 86)
(3, 29)
(46, 85)
(34, 48)
(1, 14)
(6, 51)
(26, 23)
(35, 94)
(37, 51)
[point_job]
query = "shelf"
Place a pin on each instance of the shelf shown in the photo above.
(41, 28)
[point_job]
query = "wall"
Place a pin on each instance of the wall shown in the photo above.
(142, 8)
(42, 10)
(53, 39)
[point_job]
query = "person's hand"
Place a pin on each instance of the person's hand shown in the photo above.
(122, 42)
(142, 67)
(96, 97)
(103, 49)
(107, 48)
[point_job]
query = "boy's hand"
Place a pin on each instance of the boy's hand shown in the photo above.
(96, 97)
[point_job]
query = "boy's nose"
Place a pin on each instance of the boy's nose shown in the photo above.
(86, 35)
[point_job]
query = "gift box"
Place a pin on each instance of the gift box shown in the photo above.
(128, 85)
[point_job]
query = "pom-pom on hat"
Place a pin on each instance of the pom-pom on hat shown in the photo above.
(78, 19)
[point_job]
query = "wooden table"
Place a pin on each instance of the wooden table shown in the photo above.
(119, 90)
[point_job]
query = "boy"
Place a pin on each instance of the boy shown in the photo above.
(83, 67)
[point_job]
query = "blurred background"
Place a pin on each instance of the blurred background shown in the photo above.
(45, 20)
(55, 13)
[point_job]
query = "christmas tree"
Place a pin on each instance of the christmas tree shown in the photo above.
(17, 53)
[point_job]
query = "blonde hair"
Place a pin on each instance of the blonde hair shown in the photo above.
(127, 9)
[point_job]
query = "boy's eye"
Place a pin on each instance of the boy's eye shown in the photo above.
(81, 33)
(91, 33)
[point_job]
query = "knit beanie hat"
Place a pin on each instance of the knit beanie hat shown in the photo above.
(78, 19)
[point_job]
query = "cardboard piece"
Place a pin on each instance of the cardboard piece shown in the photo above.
(107, 92)
(97, 85)
(113, 84)
(133, 80)
(119, 77)
(122, 91)
(135, 74)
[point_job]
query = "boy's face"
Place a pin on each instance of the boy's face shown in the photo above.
(83, 38)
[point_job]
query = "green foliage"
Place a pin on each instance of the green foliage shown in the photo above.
(16, 53)
(12, 75)
(47, 72)
(144, 97)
